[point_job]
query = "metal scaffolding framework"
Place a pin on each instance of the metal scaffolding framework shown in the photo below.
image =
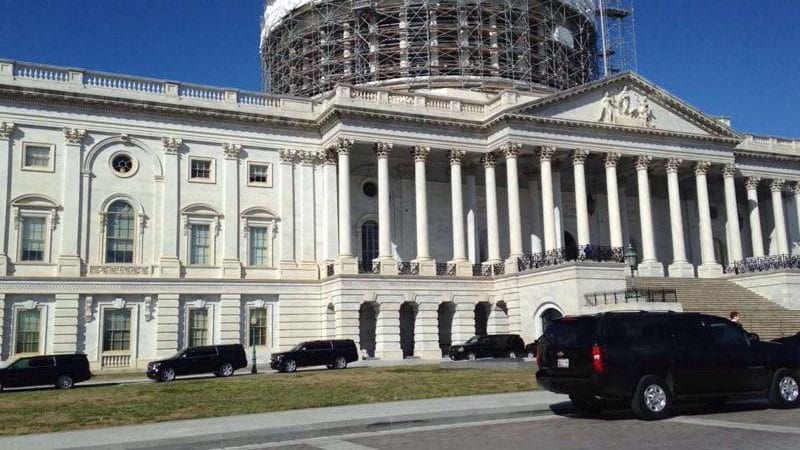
(310, 46)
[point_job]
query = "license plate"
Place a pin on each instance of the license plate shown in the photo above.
(563, 363)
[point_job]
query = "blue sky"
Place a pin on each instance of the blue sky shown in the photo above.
(739, 58)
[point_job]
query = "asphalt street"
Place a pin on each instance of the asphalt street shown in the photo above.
(731, 426)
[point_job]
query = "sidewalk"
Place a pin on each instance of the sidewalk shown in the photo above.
(221, 432)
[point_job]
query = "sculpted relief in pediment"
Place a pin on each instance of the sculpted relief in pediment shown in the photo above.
(626, 107)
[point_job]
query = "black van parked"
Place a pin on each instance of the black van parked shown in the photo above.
(221, 360)
(335, 354)
(489, 346)
(650, 359)
(62, 371)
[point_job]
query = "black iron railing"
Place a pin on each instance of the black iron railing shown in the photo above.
(445, 269)
(488, 270)
(631, 296)
(764, 264)
(600, 253)
(597, 253)
(407, 268)
(329, 270)
(369, 267)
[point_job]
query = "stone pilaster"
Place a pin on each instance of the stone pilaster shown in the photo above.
(169, 264)
(65, 326)
(426, 331)
(307, 189)
(776, 189)
(286, 230)
(230, 326)
(751, 185)
(680, 266)
(346, 262)
(463, 326)
(492, 224)
(167, 310)
(387, 332)
(388, 265)
(330, 221)
(69, 261)
(6, 149)
(231, 264)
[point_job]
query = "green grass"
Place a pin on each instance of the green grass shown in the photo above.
(24, 412)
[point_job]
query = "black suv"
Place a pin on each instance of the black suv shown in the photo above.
(489, 346)
(650, 359)
(221, 360)
(63, 371)
(335, 354)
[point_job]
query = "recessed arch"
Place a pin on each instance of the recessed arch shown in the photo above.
(35, 201)
(138, 207)
(201, 209)
(126, 141)
(541, 312)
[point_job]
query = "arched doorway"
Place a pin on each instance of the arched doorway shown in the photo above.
(369, 241)
(446, 312)
(548, 316)
(408, 318)
(482, 310)
(367, 322)
(570, 247)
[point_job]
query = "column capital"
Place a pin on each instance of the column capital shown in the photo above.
(170, 146)
(287, 155)
(6, 130)
(796, 188)
(752, 182)
(643, 162)
(231, 151)
(420, 152)
(309, 157)
(329, 157)
(546, 153)
(729, 170)
(701, 167)
(74, 136)
(511, 150)
(344, 145)
(489, 159)
(611, 159)
(673, 164)
(776, 185)
(579, 156)
(456, 155)
(382, 149)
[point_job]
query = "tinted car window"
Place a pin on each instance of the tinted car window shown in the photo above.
(41, 362)
(650, 332)
(691, 332)
(201, 351)
(318, 346)
(727, 334)
(571, 332)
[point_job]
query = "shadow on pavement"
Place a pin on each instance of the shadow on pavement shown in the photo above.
(622, 411)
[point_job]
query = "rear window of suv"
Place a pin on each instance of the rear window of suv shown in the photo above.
(571, 332)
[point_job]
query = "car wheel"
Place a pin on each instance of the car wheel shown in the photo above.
(340, 362)
(587, 405)
(784, 391)
(1, 387)
(512, 354)
(329, 366)
(290, 365)
(64, 382)
(471, 356)
(225, 370)
(168, 374)
(652, 399)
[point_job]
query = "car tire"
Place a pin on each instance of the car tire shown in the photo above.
(2, 388)
(330, 366)
(471, 356)
(512, 354)
(340, 363)
(588, 405)
(289, 365)
(167, 374)
(784, 391)
(225, 370)
(652, 399)
(65, 382)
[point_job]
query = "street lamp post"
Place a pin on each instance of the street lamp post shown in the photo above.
(253, 322)
(631, 258)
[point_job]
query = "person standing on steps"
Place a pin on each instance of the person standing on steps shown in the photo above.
(734, 316)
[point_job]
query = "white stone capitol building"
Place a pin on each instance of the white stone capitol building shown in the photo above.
(141, 216)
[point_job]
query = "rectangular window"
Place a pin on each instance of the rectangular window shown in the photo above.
(117, 330)
(37, 157)
(27, 338)
(198, 327)
(32, 242)
(258, 246)
(200, 169)
(258, 326)
(199, 244)
(259, 174)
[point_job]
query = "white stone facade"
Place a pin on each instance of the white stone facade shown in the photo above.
(140, 216)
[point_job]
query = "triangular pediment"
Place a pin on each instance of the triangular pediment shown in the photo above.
(628, 101)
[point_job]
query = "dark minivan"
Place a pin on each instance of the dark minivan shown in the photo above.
(650, 359)
(221, 360)
(335, 354)
(62, 371)
(489, 346)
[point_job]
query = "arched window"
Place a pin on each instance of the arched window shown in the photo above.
(119, 232)
(548, 316)
(369, 241)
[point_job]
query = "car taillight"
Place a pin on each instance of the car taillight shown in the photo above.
(598, 365)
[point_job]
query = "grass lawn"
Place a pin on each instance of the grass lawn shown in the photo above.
(23, 412)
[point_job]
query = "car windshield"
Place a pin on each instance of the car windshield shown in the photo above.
(472, 340)
(178, 355)
(298, 347)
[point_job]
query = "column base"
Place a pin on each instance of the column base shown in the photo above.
(345, 265)
(169, 267)
(427, 267)
(69, 266)
(709, 270)
(389, 354)
(429, 354)
(463, 267)
(681, 269)
(512, 264)
(650, 269)
(388, 265)
(231, 268)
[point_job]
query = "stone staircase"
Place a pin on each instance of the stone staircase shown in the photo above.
(719, 297)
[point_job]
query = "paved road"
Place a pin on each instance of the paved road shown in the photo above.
(736, 426)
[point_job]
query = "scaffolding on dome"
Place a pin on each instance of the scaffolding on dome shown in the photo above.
(310, 46)
(616, 48)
